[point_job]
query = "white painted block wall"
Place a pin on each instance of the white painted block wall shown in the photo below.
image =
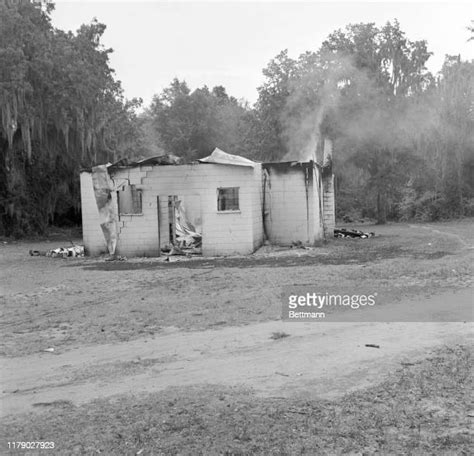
(294, 213)
(257, 207)
(224, 233)
(138, 235)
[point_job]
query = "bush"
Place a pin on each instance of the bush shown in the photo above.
(468, 207)
(428, 207)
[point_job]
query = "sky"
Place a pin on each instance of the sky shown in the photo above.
(229, 43)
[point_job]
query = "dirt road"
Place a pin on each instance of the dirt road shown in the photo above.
(316, 359)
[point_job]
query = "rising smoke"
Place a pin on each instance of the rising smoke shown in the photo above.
(340, 100)
(314, 96)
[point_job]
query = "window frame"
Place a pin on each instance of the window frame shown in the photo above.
(234, 197)
(138, 192)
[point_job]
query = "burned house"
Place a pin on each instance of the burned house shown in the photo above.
(220, 205)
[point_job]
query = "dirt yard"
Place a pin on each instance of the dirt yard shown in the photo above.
(191, 357)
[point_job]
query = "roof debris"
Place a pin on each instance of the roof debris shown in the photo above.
(220, 157)
(346, 233)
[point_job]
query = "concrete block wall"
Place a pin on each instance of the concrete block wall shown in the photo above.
(228, 233)
(293, 210)
(317, 203)
(257, 207)
(138, 233)
(329, 210)
(224, 233)
(93, 237)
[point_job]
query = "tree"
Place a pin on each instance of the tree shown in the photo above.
(390, 60)
(61, 109)
(354, 89)
(273, 95)
(389, 70)
(192, 124)
(452, 134)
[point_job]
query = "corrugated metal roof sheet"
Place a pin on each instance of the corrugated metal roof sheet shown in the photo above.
(220, 157)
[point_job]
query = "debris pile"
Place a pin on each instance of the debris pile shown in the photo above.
(351, 233)
(187, 236)
(64, 252)
(188, 240)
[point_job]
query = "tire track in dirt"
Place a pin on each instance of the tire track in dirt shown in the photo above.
(445, 233)
(317, 360)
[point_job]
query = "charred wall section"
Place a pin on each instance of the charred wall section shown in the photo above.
(328, 196)
(291, 202)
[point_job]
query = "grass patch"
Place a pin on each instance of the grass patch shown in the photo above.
(422, 409)
(68, 303)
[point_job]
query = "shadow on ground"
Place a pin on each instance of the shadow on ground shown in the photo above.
(361, 255)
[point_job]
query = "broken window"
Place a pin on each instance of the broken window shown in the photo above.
(129, 200)
(228, 199)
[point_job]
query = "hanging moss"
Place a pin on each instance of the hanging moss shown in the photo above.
(55, 87)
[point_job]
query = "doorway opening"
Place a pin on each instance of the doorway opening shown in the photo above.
(182, 225)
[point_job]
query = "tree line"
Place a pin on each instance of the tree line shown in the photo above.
(403, 137)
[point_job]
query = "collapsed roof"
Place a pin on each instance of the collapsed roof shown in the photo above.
(161, 160)
(220, 157)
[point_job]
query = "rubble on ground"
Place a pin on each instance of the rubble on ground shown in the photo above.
(63, 252)
(351, 233)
